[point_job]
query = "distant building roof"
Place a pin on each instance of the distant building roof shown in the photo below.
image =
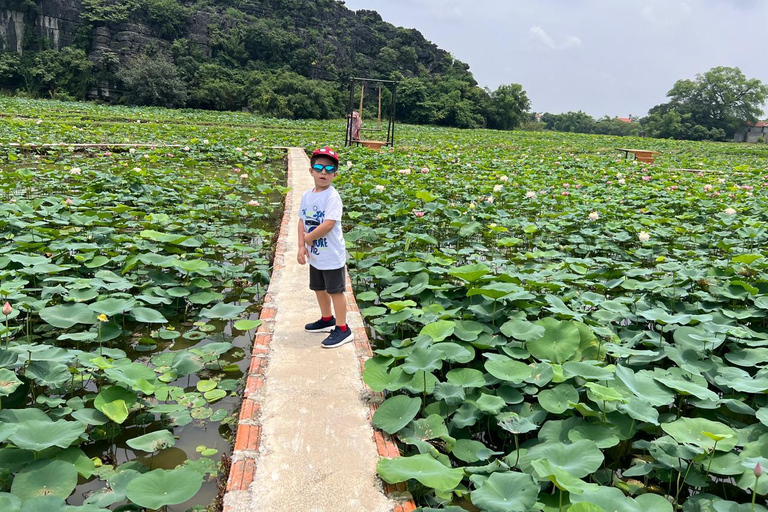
(760, 124)
(625, 119)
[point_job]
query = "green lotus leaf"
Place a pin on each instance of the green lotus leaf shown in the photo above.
(426, 359)
(506, 492)
(508, 369)
(466, 378)
(700, 432)
(9, 382)
(65, 316)
(206, 385)
(469, 450)
(585, 507)
(152, 442)
(79, 459)
(522, 330)
(557, 399)
(495, 291)
(113, 306)
(148, 316)
(161, 487)
(470, 273)
(247, 325)
(559, 342)
(587, 371)
(223, 310)
(37, 435)
(462, 353)
(603, 436)
(562, 479)
(215, 395)
(395, 413)
(45, 477)
(201, 298)
(423, 468)
(115, 402)
(439, 330)
(490, 404)
(612, 499)
(9, 502)
(578, 459)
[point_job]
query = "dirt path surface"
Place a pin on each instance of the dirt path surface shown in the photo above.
(317, 451)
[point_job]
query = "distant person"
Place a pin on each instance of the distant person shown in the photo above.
(321, 242)
(357, 123)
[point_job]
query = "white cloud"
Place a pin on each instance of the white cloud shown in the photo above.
(540, 36)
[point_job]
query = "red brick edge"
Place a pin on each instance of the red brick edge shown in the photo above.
(248, 438)
(385, 445)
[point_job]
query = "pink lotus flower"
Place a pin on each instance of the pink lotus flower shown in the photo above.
(497, 188)
(621, 181)
(593, 216)
(75, 170)
(404, 172)
(646, 178)
(418, 213)
(643, 236)
(236, 169)
(69, 202)
(503, 178)
(243, 176)
(578, 185)
(107, 153)
(424, 170)
(565, 193)
(380, 188)
(707, 187)
(530, 194)
(566, 185)
(758, 467)
(730, 211)
(7, 309)
(253, 203)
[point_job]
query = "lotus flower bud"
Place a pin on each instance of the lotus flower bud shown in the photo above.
(69, 202)
(7, 309)
(758, 467)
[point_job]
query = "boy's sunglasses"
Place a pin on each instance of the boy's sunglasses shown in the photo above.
(329, 169)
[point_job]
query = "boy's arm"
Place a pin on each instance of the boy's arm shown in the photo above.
(320, 231)
(302, 254)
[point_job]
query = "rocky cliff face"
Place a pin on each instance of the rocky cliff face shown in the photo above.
(51, 23)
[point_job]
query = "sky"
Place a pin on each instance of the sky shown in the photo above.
(604, 57)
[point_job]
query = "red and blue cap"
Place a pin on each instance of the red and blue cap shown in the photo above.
(326, 151)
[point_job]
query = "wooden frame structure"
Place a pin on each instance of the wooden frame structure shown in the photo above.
(350, 138)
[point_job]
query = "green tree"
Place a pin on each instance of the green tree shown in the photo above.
(57, 74)
(578, 122)
(720, 101)
(508, 107)
(153, 81)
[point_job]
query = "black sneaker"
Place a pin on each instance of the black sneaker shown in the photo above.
(337, 338)
(321, 325)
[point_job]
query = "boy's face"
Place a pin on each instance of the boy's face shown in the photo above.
(322, 177)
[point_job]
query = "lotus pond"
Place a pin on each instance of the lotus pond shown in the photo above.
(133, 278)
(560, 329)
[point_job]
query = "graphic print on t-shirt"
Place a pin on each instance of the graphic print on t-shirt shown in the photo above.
(312, 222)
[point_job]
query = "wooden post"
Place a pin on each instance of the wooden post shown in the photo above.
(379, 111)
(362, 95)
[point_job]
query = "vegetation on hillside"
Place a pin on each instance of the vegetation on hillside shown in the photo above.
(287, 58)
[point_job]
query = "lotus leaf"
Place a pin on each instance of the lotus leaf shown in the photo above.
(46, 477)
(8, 382)
(161, 487)
(37, 435)
(559, 342)
(423, 468)
(558, 399)
(506, 492)
(65, 316)
(700, 431)
(395, 413)
(562, 479)
(508, 369)
(612, 499)
(152, 442)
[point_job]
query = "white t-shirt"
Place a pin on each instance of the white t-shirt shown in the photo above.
(328, 252)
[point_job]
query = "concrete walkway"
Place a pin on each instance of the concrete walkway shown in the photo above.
(315, 448)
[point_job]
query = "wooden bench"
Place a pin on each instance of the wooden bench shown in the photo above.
(373, 144)
(643, 155)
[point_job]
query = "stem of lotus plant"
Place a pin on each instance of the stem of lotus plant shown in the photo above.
(100, 350)
(560, 505)
(754, 494)
(517, 450)
(706, 477)
(680, 472)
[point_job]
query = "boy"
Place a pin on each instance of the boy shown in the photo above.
(322, 243)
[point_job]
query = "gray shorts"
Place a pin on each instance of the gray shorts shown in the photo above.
(332, 281)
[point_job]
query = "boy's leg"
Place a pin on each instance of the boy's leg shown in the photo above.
(339, 307)
(324, 301)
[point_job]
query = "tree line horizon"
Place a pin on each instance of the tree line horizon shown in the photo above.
(292, 59)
